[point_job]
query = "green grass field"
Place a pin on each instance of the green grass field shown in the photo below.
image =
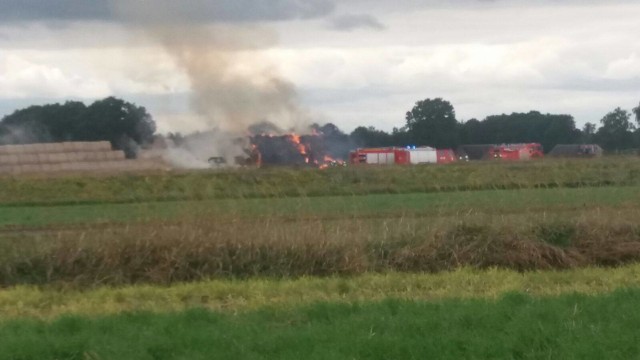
(516, 326)
(482, 260)
(275, 183)
(381, 205)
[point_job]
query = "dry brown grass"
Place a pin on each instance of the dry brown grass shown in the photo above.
(211, 247)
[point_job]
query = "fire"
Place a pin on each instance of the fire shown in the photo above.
(329, 161)
(302, 149)
(291, 150)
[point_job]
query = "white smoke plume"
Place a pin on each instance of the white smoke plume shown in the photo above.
(232, 85)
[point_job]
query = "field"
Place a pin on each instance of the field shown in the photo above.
(477, 260)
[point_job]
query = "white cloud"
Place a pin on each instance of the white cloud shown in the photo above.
(21, 78)
(625, 67)
(571, 57)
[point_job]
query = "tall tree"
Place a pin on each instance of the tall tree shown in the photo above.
(636, 111)
(122, 123)
(433, 122)
(616, 132)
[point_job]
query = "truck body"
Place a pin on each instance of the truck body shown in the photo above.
(401, 156)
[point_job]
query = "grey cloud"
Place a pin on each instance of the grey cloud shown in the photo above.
(356, 21)
(182, 10)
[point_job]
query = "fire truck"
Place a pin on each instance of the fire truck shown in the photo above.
(401, 156)
(516, 152)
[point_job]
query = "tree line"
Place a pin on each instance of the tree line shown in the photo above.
(431, 122)
(126, 125)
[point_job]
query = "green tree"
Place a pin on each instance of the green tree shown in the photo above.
(433, 122)
(546, 129)
(616, 132)
(125, 125)
(636, 111)
(371, 137)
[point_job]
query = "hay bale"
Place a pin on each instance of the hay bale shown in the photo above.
(72, 156)
(103, 146)
(10, 149)
(68, 146)
(49, 148)
(86, 156)
(13, 159)
(117, 155)
(22, 159)
(38, 148)
(18, 149)
(54, 157)
(60, 147)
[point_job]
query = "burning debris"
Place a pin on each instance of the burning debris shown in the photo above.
(292, 150)
(263, 145)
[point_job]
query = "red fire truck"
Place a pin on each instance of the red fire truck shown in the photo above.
(401, 156)
(515, 152)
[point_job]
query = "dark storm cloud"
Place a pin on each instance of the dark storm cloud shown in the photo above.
(184, 10)
(353, 22)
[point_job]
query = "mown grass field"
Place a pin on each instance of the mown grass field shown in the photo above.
(285, 263)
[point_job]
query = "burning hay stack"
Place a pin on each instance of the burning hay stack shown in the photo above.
(318, 149)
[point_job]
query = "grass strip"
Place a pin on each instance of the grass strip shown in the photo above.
(284, 182)
(517, 326)
(251, 294)
(228, 248)
(491, 201)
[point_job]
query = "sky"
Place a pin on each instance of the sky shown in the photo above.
(349, 62)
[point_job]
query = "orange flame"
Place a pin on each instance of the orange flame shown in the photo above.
(302, 149)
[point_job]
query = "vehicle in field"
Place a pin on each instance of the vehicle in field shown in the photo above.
(516, 152)
(401, 156)
(507, 152)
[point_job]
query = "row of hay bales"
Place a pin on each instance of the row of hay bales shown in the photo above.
(51, 148)
(106, 166)
(55, 158)
(69, 157)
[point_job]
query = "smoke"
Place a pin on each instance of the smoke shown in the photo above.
(233, 85)
(28, 133)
